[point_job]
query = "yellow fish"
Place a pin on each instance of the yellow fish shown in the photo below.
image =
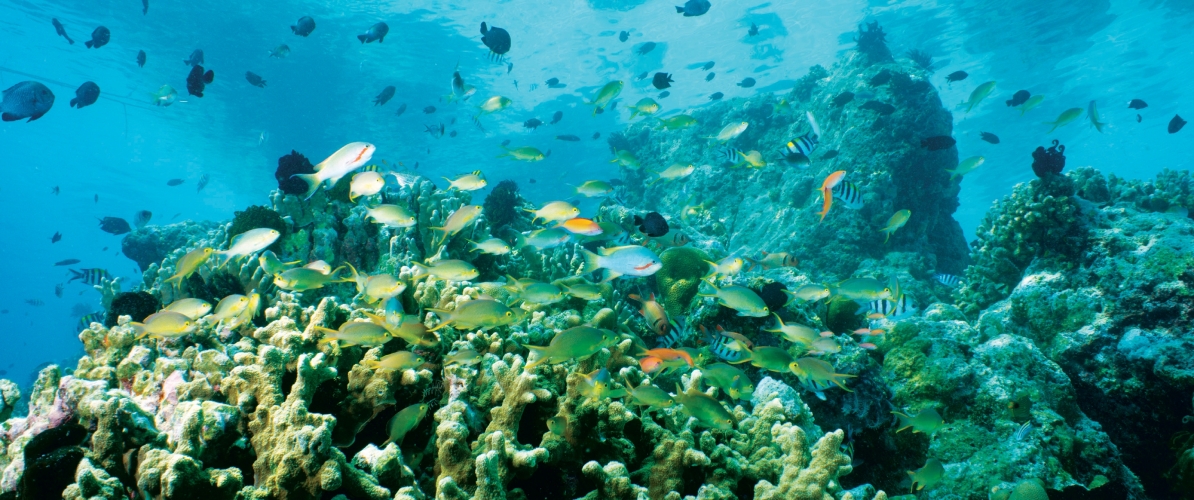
(739, 298)
(480, 313)
(927, 476)
(450, 269)
(398, 361)
(584, 290)
(230, 307)
(365, 184)
(674, 172)
(734, 382)
(966, 166)
(752, 158)
(534, 292)
(164, 324)
(556, 211)
(189, 263)
(593, 189)
(866, 289)
(927, 421)
(191, 308)
(645, 106)
(391, 216)
(731, 131)
(356, 333)
(808, 293)
(818, 373)
(607, 94)
(301, 279)
(468, 182)
(896, 221)
(705, 409)
(404, 422)
(574, 343)
(491, 246)
(459, 219)
(525, 153)
(774, 260)
(463, 357)
(408, 328)
(493, 105)
(341, 163)
(728, 266)
(251, 241)
(597, 386)
(271, 264)
(377, 287)
(652, 397)
(978, 95)
(769, 358)
(798, 333)
(1065, 118)
(558, 425)
(677, 122)
(625, 158)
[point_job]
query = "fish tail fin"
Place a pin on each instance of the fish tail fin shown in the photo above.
(592, 261)
(828, 197)
(87, 43)
(679, 10)
(313, 182)
(540, 356)
(372, 364)
(905, 420)
(952, 174)
(362, 38)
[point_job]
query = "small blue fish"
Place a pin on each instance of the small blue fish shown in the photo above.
(693, 8)
(26, 99)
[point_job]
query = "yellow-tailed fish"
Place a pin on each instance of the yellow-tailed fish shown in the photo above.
(808, 293)
(651, 396)
(574, 343)
(555, 211)
(584, 290)
(864, 289)
(381, 287)
(348, 158)
(491, 246)
(645, 106)
(581, 226)
(927, 476)
(248, 242)
(825, 345)
(795, 332)
(493, 105)
(319, 265)
(752, 158)
(246, 316)
(189, 263)
(607, 94)
(271, 264)
(301, 279)
(966, 166)
(165, 96)
(365, 184)
(164, 324)
(398, 361)
(728, 266)
(729, 132)
(408, 328)
(480, 313)
(404, 422)
(535, 292)
(769, 358)
(363, 333)
(230, 307)
(391, 216)
(630, 260)
(544, 238)
(1092, 112)
(525, 153)
(707, 410)
(896, 221)
(465, 357)
(459, 219)
(597, 385)
(674, 238)
(625, 158)
(734, 382)
(468, 182)
(1032, 102)
(595, 189)
(674, 172)
(739, 298)
(927, 421)
(773, 260)
(819, 373)
(191, 308)
(677, 122)
(978, 95)
(1065, 118)
(450, 269)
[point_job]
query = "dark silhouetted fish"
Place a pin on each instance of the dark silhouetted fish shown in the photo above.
(937, 143)
(881, 78)
(452, 134)
(144, 7)
(26, 99)
(1139, 119)
(645, 48)
(255, 79)
(61, 31)
(843, 98)
(505, 143)
(642, 75)
(141, 58)
(956, 76)
(1137, 104)
(662, 80)
(555, 118)
(304, 26)
(747, 82)
(174, 182)
(376, 33)
(693, 8)
(85, 95)
(401, 109)
(623, 36)
(54, 190)
(754, 30)
(99, 38)
(1176, 124)
(196, 58)
(114, 225)
(532, 124)
(653, 224)
(708, 66)
(385, 96)
(202, 183)
(596, 135)
(989, 137)
(716, 96)
(829, 155)
(568, 137)
(56, 238)
(67, 262)
(878, 107)
(197, 80)
(497, 39)
(1020, 97)
(709, 77)
(141, 218)
(664, 94)
(429, 109)
(554, 83)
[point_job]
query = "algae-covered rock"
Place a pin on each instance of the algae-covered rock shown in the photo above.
(151, 244)
(679, 279)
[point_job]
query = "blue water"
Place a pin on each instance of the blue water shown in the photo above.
(124, 150)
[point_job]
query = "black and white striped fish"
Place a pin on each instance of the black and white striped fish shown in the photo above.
(676, 334)
(797, 150)
(90, 276)
(727, 348)
(731, 155)
(86, 321)
(849, 194)
(948, 280)
(898, 309)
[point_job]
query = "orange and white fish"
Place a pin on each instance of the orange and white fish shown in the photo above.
(827, 191)
(582, 226)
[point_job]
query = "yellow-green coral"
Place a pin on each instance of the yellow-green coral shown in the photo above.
(680, 277)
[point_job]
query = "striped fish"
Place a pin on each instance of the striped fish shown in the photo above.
(849, 194)
(726, 348)
(91, 276)
(676, 335)
(797, 150)
(949, 280)
(87, 319)
(892, 309)
(731, 155)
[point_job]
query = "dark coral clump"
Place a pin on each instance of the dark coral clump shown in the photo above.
(136, 305)
(773, 295)
(257, 216)
(217, 285)
(288, 166)
(1048, 163)
(872, 41)
(922, 59)
(501, 206)
(803, 90)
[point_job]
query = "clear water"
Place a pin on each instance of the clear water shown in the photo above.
(124, 150)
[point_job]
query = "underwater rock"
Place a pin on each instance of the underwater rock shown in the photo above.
(149, 245)
(502, 204)
(872, 41)
(135, 305)
(289, 166)
(1046, 163)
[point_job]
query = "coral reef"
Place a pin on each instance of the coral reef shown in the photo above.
(136, 305)
(680, 277)
(288, 166)
(150, 244)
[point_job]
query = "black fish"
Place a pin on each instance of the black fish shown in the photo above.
(61, 31)
(709, 77)
(67, 262)
(174, 182)
(662, 80)
(1139, 119)
(664, 94)
(385, 96)
(694, 8)
(1137, 104)
(54, 190)
(401, 109)
(555, 83)
(568, 137)
(1176, 124)
(716, 96)
(842, 99)
(255, 79)
(114, 225)
(505, 143)
(85, 95)
(989, 137)
(747, 83)
(97, 198)
(642, 75)
(754, 30)
(99, 38)
(623, 36)
(144, 7)
(937, 143)
(879, 107)
(433, 131)
(57, 292)
(197, 80)
(509, 68)
(28, 99)
(708, 66)
(829, 155)
(956, 76)
(881, 78)
(196, 58)
(532, 181)
(645, 48)
(532, 124)
(596, 135)
(1020, 97)
(141, 58)
(376, 33)
(56, 238)
(653, 224)
(304, 26)
(555, 118)
(452, 134)
(429, 109)
(497, 39)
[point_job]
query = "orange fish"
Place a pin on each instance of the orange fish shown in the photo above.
(827, 191)
(581, 226)
(650, 364)
(671, 355)
(653, 312)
